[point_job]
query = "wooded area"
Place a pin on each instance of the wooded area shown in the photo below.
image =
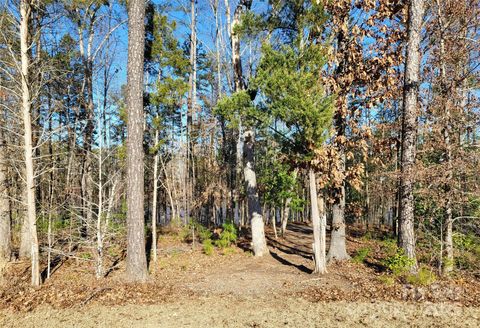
(234, 124)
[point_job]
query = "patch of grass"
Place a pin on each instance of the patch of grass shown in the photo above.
(361, 255)
(86, 256)
(387, 280)
(162, 264)
(424, 277)
(228, 251)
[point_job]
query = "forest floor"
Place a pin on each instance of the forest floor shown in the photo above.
(234, 289)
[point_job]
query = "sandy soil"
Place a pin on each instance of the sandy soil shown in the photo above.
(190, 289)
(251, 312)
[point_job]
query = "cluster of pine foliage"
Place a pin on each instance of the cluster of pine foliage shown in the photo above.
(120, 116)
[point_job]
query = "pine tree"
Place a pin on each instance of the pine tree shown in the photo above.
(136, 257)
(289, 79)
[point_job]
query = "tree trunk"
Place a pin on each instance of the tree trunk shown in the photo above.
(409, 121)
(319, 227)
(25, 11)
(274, 222)
(192, 104)
(238, 173)
(99, 268)
(286, 211)
(5, 223)
(238, 85)
(154, 200)
(447, 156)
(338, 247)
(254, 209)
(25, 237)
(136, 257)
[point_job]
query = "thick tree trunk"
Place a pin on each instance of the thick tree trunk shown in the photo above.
(254, 210)
(25, 11)
(409, 125)
(319, 227)
(5, 223)
(338, 247)
(136, 257)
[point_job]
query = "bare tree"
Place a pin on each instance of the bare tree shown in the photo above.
(25, 12)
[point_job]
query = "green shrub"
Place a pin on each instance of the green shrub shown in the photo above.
(185, 233)
(465, 242)
(228, 236)
(207, 246)
(390, 246)
(399, 263)
(203, 233)
(57, 224)
(361, 255)
(424, 277)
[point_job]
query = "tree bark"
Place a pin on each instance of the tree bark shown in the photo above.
(154, 199)
(319, 226)
(5, 223)
(447, 156)
(409, 121)
(254, 210)
(238, 85)
(192, 106)
(25, 12)
(338, 247)
(286, 211)
(136, 257)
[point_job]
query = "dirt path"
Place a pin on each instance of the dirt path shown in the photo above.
(251, 312)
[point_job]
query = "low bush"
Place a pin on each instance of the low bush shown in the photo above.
(228, 236)
(207, 247)
(203, 233)
(424, 277)
(399, 263)
(361, 255)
